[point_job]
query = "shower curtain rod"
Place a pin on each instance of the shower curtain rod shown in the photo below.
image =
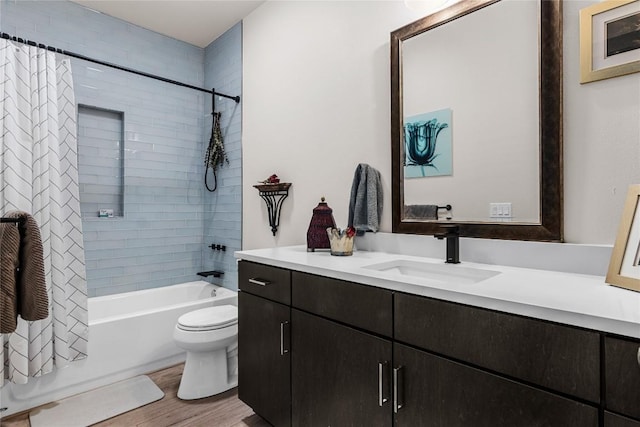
(118, 67)
(19, 220)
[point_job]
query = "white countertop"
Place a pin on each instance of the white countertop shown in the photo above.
(574, 299)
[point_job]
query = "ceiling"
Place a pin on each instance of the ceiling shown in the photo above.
(198, 22)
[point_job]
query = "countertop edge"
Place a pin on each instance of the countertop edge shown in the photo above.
(582, 320)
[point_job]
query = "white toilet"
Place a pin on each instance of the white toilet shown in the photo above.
(210, 337)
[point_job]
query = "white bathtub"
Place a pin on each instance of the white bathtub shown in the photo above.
(129, 334)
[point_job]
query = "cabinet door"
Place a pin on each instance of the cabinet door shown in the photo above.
(338, 374)
(433, 391)
(264, 359)
(622, 376)
(613, 420)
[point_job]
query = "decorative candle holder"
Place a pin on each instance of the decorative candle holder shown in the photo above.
(341, 241)
(273, 195)
(317, 232)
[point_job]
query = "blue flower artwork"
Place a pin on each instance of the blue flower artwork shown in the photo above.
(427, 144)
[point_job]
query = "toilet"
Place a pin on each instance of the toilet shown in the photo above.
(210, 338)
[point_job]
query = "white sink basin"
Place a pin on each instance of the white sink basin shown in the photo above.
(433, 273)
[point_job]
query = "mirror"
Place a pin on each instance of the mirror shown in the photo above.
(476, 119)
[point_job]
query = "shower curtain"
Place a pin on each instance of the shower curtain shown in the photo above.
(39, 175)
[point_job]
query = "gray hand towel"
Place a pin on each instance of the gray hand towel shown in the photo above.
(421, 211)
(365, 204)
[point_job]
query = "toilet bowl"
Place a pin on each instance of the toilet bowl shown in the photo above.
(208, 335)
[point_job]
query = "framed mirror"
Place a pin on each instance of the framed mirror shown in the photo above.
(476, 121)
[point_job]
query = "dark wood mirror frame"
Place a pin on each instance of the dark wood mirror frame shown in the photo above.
(550, 227)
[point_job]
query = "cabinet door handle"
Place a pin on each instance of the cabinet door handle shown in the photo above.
(382, 399)
(260, 282)
(638, 357)
(283, 350)
(398, 392)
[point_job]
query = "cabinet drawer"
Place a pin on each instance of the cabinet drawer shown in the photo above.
(358, 305)
(266, 281)
(622, 376)
(561, 358)
(612, 420)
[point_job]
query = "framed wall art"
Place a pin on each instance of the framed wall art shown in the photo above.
(609, 40)
(624, 266)
(428, 150)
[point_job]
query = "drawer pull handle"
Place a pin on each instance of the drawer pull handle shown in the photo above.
(283, 350)
(382, 399)
(398, 392)
(259, 282)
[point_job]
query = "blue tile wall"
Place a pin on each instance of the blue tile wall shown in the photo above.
(222, 208)
(168, 219)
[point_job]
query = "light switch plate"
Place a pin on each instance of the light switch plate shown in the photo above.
(499, 210)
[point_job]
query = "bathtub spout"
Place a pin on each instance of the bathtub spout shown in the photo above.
(214, 273)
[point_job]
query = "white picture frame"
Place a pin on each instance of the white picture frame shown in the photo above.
(608, 40)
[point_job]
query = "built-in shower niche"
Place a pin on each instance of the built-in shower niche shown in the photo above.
(101, 161)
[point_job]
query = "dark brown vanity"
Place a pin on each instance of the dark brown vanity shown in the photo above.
(318, 351)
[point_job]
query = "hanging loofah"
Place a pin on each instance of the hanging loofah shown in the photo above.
(216, 156)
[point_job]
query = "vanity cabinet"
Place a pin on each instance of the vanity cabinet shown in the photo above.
(264, 357)
(622, 376)
(319, 351)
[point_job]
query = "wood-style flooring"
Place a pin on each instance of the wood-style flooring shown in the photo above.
(223, 410)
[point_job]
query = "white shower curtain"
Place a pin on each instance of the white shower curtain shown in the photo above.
(39, 175)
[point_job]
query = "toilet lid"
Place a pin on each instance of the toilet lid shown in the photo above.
(209, 318)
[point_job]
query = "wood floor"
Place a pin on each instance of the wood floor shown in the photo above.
(223, 410)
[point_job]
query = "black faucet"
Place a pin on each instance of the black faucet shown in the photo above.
(453, 243)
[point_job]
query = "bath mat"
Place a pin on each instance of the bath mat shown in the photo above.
(97, 405)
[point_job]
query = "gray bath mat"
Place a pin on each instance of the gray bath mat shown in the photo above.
(97, 405)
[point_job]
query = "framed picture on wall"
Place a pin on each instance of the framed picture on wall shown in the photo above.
(609, 40)
(624, 267)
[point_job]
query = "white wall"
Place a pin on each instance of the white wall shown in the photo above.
(602, 143)
(316, 103)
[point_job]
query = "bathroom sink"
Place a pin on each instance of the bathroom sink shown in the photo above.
(433, 273)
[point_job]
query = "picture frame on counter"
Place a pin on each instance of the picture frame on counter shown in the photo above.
(609, 40)
(624, 266)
